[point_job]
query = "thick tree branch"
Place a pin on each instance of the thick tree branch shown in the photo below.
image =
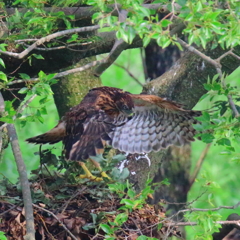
(227, 228)
(27, 199)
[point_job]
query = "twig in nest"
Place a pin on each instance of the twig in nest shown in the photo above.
(63, 225)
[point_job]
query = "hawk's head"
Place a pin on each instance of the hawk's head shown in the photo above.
(114, 101)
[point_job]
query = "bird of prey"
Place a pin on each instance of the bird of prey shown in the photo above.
(133, 123)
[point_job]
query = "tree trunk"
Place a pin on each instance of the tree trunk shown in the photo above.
(70, 90)
(183, 83)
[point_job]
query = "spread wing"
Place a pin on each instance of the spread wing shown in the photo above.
(89, 137)
(156, 124)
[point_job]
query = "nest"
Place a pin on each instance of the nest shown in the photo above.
(80, 211)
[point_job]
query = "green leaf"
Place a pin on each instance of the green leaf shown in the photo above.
(38, 56)
(142, 237)
(182, 2)
(2, 236)
(146, 41)
(131, 193)
(216, 86)
(24, 76)
(165, 22)
(203, 96)
(166, 43)
(23, 90)
(224, 141)
(35, 20)
(207, 86)
(131, 34)
(106, 228)
(121, 218)
(2, 46)
(207, 137)
(3, 76)
(2, 63)
(41, 75)
(129, 203)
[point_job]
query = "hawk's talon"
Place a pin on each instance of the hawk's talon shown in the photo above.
(104, 175)
(91, 177)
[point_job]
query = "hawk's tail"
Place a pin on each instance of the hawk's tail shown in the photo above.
(53, 136)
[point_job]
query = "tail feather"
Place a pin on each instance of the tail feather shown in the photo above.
(53, 136)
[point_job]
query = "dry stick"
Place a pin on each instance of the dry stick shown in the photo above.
(27, 199)
(237, 222)
(63, 225)
(199, 164)
(129, 73)
(217, 65)
(71, 198)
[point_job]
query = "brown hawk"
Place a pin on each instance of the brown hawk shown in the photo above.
(133, 123)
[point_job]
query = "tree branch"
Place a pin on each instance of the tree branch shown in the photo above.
(217, 65)
(116, 50)
(129, 73)
(64, 73)
(172, 224)
(27, 199)
(49, 38)
(199, 164)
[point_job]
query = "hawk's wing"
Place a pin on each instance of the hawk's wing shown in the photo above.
(156, 124)
(89, 138)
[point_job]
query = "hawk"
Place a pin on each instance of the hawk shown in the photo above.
(133, 123)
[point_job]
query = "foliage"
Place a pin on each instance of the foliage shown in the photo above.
(2, 236)
(58, 192)
(207, 24)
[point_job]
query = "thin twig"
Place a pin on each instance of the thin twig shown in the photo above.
(206, 210)
(63, 225)
(71, 198)
(20, 109)
(171, 224)
(129, 73)
(64, 73)
(67, 46)
(49, 38)
(166, 220)
(199, 164)
(22, 171)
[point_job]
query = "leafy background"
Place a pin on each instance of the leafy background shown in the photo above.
(219, 174)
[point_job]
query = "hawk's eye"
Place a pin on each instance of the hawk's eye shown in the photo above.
(125, 107)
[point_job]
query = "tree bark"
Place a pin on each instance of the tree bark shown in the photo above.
(183, 83)
(70, 90)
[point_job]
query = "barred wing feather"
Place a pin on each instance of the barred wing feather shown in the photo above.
(155, 125)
